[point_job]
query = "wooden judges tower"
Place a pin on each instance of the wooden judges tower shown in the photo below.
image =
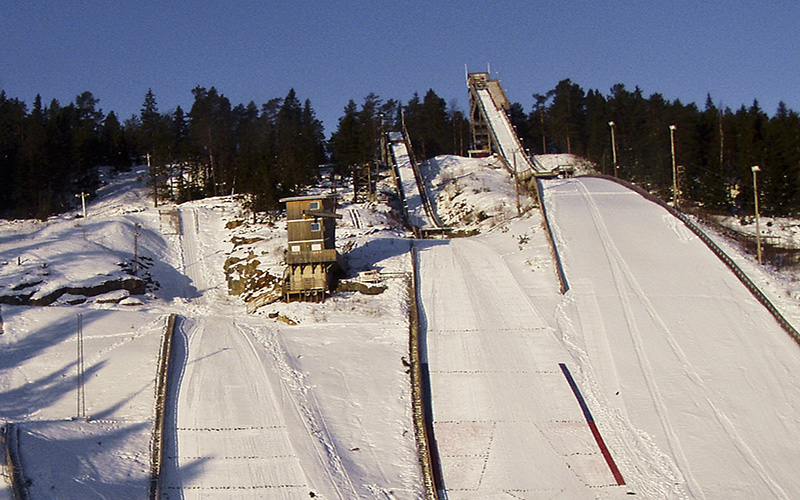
(311, 254)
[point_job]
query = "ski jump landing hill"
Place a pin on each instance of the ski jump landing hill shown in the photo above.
(660, 373)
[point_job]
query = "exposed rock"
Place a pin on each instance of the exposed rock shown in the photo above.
(358, 286)
(112, 297)
(255, 286)
(133, 285)
(239, 240)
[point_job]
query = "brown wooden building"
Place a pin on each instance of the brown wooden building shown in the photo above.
(311, 254)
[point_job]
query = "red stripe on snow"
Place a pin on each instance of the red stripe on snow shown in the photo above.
(606, 454)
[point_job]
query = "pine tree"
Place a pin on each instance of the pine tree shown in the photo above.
(346, 142)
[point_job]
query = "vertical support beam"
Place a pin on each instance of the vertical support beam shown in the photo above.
(81, 414)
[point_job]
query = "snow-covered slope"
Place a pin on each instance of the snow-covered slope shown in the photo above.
(324, 401)
(692, 378)
(678, 366)
(107, 456)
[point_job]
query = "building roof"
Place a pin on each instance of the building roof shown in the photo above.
(306, 198)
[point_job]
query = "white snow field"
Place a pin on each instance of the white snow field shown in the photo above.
(693, 382)
(227, 437)
(657, 353)
(505, 420)
(254, 419)
(108, 456)
(256, 409)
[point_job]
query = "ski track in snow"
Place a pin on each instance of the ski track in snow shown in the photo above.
(657, 473)
(292, 380)
(625, 278)
(623, 281)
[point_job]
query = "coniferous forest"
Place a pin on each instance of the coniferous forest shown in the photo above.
(49, 153)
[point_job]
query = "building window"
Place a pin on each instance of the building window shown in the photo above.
(315, 226)
(316, 247)
(314, 205)
(295, 248)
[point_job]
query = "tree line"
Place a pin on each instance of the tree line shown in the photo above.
(49, 154)
(715, 147)
(434, 127)
(217, 148)
(52, 152)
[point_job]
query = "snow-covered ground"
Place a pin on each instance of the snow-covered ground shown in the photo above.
(474, 194)
(691, 383)
(676, 360)
(257, 407)
(107, 456)
(693, 380)
(564, 161)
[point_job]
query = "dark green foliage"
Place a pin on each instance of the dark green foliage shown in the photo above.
(53, 152)
(434, 128)
(357, 137)
(714, 148)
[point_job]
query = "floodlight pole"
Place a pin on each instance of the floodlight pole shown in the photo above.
(155, 180)
(675, 196)
(612, 125)
(755, 170)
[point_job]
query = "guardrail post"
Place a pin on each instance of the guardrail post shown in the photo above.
(19, 484)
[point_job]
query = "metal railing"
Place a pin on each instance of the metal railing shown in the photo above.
(562, 277)
(157, 439)
(423, 193)
(517, 148)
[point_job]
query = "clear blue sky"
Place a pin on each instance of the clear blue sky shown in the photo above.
(332, 51)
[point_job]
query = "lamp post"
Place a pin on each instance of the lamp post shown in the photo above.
(613, 147)
(675, 197)
(155, 180)
(755, 170)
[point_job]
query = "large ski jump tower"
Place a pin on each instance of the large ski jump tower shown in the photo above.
(481, 134)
